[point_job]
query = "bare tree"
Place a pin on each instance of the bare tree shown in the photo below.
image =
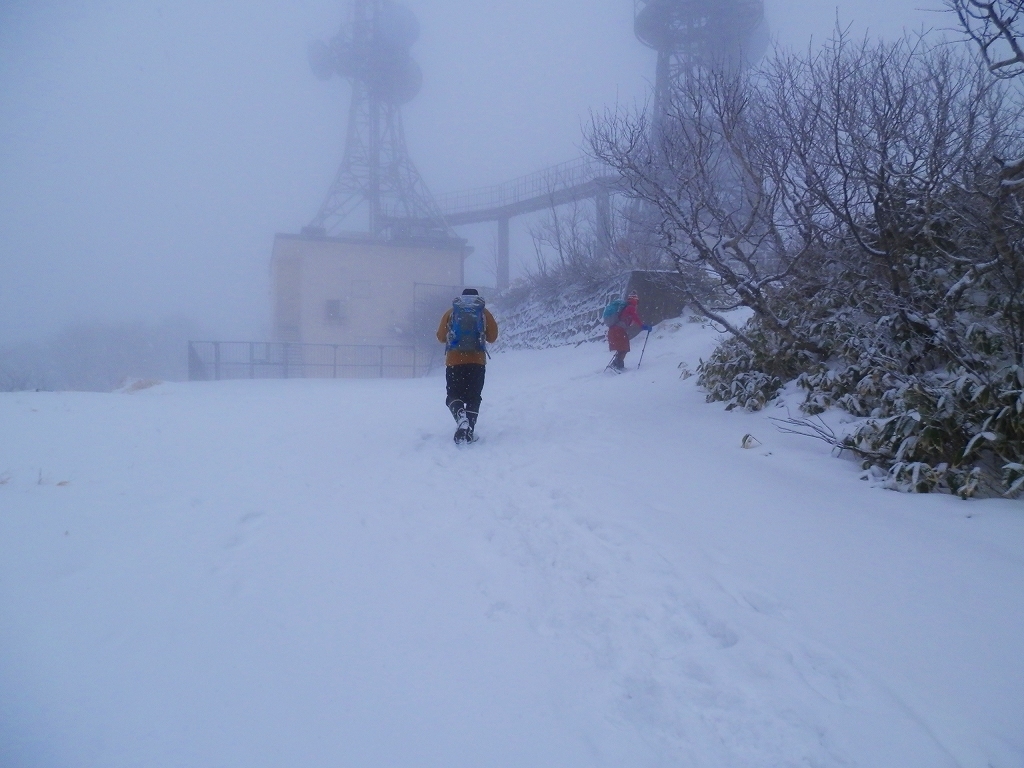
(565, 245)
(569, 250)
(997, 27)
(853, 165)
(905, 154)
(714, 172)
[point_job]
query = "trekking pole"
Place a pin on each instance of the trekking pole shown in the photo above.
(643, 350)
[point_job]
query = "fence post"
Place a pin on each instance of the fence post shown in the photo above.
(252, 360)
(216, 360)
(285, 347)
(196, 369)
(381, 351)
(334, 373)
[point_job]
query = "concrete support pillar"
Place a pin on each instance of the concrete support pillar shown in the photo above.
(502, 277)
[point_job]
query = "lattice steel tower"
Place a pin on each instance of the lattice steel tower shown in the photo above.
(377, 176)
(688, 34)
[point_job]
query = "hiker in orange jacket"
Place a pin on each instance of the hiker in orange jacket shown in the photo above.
(466, 358)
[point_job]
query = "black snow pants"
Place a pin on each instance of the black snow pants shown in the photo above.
(464, 384)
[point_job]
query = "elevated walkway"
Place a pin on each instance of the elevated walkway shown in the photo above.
(573, 180)
(579, 179)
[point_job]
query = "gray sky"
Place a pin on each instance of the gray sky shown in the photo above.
(150, 149)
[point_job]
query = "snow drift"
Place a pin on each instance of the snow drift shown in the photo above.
(310, 573)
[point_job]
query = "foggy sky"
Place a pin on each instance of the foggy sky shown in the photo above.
(150, 149)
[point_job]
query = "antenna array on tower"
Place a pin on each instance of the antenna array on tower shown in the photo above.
(377, 175)
(691, 34)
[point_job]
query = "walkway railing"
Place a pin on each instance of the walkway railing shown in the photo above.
(216, 360)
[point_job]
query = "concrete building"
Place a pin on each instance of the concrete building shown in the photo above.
(354, 290)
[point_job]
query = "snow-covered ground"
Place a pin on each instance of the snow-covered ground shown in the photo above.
(310, 573)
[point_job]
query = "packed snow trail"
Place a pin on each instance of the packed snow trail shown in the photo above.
(310, 573)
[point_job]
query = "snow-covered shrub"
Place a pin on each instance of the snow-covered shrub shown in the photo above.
(963, 430)
(1013, 478)
(747, 377)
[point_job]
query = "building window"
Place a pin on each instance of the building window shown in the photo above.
(333, 314)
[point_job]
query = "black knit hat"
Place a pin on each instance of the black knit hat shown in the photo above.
(470, 292)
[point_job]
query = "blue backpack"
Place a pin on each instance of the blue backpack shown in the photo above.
(467, 326)
(611, 313)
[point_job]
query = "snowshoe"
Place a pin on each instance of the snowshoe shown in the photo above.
(612, 368)
(615, 366)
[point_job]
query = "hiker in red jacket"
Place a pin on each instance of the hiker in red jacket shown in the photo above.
(625, 328)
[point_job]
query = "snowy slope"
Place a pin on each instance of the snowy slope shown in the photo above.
(310, 573)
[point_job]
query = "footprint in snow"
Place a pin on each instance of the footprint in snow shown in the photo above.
(717, 630)
(827, 675)
(763, 604)
(246, 524)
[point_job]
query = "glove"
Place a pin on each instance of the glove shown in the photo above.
(647, 328)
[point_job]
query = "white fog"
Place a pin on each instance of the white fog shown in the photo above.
(149, 151)
(511, 383)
